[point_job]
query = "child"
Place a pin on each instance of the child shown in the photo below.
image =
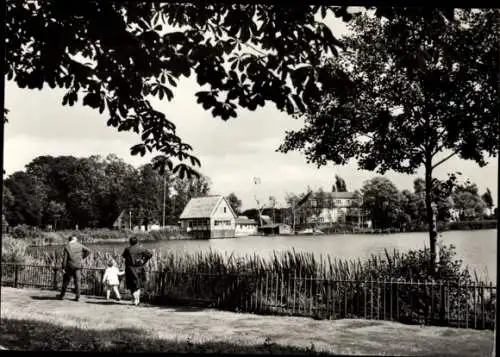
(111, 281)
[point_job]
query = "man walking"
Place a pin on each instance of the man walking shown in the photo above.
(74, 253)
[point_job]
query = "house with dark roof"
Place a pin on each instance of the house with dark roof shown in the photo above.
(208, 217)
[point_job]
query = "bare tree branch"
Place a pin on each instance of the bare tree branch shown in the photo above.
(443, 160)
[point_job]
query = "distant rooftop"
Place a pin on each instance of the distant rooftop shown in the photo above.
(245, 220)
(340, 195)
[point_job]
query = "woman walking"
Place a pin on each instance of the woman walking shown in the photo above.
(135, 275)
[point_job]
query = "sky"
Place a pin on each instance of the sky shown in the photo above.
(232, 153)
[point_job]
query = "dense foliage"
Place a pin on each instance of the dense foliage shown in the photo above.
(66, 191)
(340, 185)
(234, 202)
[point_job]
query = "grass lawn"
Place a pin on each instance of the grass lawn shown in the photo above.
(34, 319)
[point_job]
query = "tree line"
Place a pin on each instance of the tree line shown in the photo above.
(67, 191)
(388, 207)
(91, 192)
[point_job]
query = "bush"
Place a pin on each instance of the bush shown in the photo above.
(14, 251)
(163, 234)
(23, 231)
(471, 225)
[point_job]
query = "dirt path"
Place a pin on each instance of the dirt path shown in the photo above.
(95, 324)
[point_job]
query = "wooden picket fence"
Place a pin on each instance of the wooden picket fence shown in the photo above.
(443, 303)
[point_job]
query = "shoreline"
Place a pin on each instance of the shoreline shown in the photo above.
(109, 241)
(96, 241)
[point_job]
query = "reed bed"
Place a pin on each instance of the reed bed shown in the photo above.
(394, 265)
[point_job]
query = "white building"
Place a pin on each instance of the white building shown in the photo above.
(245, 227)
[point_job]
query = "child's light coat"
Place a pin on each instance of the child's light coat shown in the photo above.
(111, 276)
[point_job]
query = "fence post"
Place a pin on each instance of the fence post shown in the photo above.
(54, 278)
(99, 291)
(16, 275)
(311, 296)
(458, 295)
(442, 307)
(482, 306)
(378, 299)
(398, 286)
(467, 305)
(433, 304)
(281, 278)
(294, 292)
(494, 318)
(391, 299)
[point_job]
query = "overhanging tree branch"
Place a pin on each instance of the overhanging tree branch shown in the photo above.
(443, 160)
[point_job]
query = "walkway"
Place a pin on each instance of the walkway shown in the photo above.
(34, 319)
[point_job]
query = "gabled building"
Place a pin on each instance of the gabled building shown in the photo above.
(122, 221)
(208, 217)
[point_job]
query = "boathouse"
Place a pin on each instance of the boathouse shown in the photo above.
(276, 229)
(208, 217)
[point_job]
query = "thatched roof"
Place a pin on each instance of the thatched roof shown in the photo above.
(200, 207)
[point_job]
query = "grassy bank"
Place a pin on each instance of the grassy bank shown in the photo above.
(32, 319)
(92, 236)
(473, 225)
(442, 227)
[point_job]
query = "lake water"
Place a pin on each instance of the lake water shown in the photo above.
(478, 249)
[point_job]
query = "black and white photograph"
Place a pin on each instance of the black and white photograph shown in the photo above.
(259, 178)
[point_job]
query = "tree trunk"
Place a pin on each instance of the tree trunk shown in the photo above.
(430, 217)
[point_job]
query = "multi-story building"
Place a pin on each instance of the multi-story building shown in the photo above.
(334, 207)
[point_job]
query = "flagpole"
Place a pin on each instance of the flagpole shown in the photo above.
(256, 181)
